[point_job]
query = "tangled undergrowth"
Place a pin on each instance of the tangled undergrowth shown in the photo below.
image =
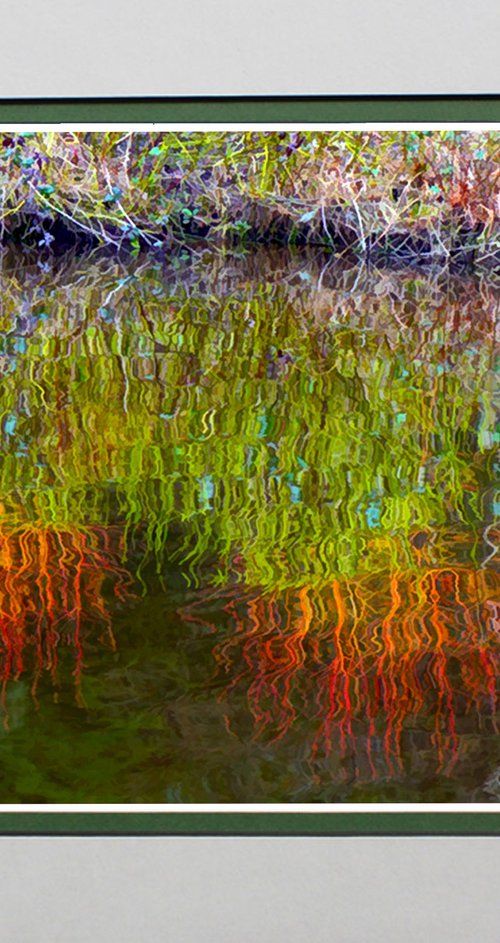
(420, 196)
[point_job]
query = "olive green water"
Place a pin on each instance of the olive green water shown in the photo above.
(248, 545)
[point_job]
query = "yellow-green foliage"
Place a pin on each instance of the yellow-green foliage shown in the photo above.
(301, 431)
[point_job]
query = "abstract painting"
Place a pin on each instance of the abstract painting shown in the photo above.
(248, 455)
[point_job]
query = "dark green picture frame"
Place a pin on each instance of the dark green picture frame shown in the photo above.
(320, 109)
(304, 824)
(433, 109)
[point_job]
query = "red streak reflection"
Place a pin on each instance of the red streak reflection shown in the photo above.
(360, 659)
(52, 583)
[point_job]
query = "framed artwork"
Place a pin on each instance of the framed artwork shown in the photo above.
(249, 532)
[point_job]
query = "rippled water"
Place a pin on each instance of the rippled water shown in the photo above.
(247, 532)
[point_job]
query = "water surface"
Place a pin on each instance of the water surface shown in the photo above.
(248, 546)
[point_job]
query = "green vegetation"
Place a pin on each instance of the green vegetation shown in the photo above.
(414, 195)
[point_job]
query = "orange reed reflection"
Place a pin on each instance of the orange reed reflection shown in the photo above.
(360, 658)
(52, 582)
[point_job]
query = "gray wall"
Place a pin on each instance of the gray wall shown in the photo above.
(228, 890)
(238, 47)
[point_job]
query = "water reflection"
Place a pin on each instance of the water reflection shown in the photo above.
(51, 592)
(248, 536)
(366, 661)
